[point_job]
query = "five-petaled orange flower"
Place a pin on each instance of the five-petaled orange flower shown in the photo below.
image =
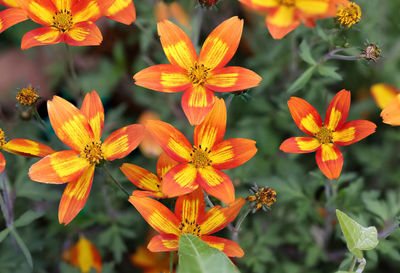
(199, 76)
(201, 163)
(12, 15)
(149, 182)
(81, 130)
(189, 218)
(326, 136)
(387, 97)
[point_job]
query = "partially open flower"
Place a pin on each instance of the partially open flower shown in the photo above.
(262, 197)
(27, 96)
(349, 15)
(371, 52)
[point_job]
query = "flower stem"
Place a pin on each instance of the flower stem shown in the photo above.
(37, 116)
(74, 75)
(107, 171)
(171, 262)
(353, 264)
(236, 229)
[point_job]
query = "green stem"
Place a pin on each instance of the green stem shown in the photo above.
(353, 264)
(236, 230)
(74, 75)
(171, 262)
(38, 117)
(115, 181)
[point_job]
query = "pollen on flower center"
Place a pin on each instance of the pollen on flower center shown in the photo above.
(2, 138)
(200, 157)
(288, 3)
(27, 96)
(324, 135)
(187, 227)
(349, 15)
(93, 152)
(63, 20)
(198, 74)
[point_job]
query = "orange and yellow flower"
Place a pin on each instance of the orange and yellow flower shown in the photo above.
(83, 255)
(149, 182)
(200, 164)
(387, 97)
(12, 15)
(326, 136)
(81, 130)
(149, 147)
(189, 218)
(164, 11)
(199, 76)
(122, 11)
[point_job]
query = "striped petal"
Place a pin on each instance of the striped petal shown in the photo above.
(60, 167)
(75, 196)
(154, 194)
(10, 17)
(212, 129)
(123, 141)
(391, 113)
(232, 78)
(263, 5)
(190, 208)
(9, 3)
(83, 34)
(40, 11)
(281, 22)
(338, 109)
(164, 78)
(353, 131)
(180, 180)
(229, 247)
(305, 116)
(69, 124)
(330, 160)
(87, 10)
(173, 142)
(164, 242)
(26, 147)
(176, 44)
(383, 94)
(217, 184)
(217, 218)
(122, 11)
(156, 214)
(197, 102)
(92, 109)
(222, 43)
(313, 7)
(42, 36)
(2, 163)
(141, 178)
(300, 145)
(164, 164)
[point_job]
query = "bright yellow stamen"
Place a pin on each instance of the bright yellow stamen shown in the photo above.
(187, 227)
(200, 157)
(324, 135)
(2, 138)
(63, 20)
(198, 74)
(27, 96)
(349, 15)
(288, 3)
(93, 152)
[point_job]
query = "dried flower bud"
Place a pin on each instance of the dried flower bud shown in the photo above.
(208, 3)
(262, 197)
(348, 15)
(371, 52)
(27, 96)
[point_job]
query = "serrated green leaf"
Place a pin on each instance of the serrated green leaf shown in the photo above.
(27, 218)
(302, 80)
(4, 233)
(305, 53)
(195, 256)
(329, 71)
(357, 237)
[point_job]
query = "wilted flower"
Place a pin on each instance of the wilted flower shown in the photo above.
(263, 197)
(371, 52)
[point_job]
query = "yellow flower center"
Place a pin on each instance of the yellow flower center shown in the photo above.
(63, 20)
(200, 157)
(93, 152)
(187, 227)
(349, 15)
(2, 138)
(198, 74)
(288, 3)
(27, 96)
(324, 135)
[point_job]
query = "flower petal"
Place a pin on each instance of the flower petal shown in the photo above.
(2, 163)
(216, 183)
(176, 44)
(40, 11)
(330, 160)
(164, 78)
(123, 141)
(164, 164)
(261, 4)
(75, 196)
(313, 7)
(305, 116)
(9, 3)
(122, 11)
(173, 142)
(69, 124)
(222, 43)
(158, 195)
(391, 113)
(42, 36)
(300, 145)
(180, 180)
(26, 147)
(197, 102)
(338, 109)
(281, 22)
(92, 109)
(11, 17)
(149, 146)
(164, 242)
(60, 167)
(229, 247)
(190, 208)
(85, 11)
(83, 34)
(156, 214)
(353, 131)
(141, 178)
(383, 94)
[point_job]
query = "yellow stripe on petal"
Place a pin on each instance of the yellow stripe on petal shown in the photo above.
(173, 79)
(283, 17)
(92, 10)
(308, 145)
(266, 3)
(78, 34)
(41, 12)
(63, 4)
(217, 52)
(186, 176)
(328, 153)
(180, 53)
(118, 6)
(383, 94)
(10, 3)
(345, 135)
(334, 119)
(310, 124)
(214, 220)
(313, 6)
(48, 37)
(158, 219)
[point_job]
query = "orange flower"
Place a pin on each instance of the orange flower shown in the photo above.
(149, 147)
(149, 182)
(189, 218)
(83, 255)
(199, 76)
(122, 11)
(201, 163)
(24, 147)
(81, 130)
(164, 11)
(335, 131)
(383, 94)
(12, 15)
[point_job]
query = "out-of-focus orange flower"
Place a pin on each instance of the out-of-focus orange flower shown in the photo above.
(189, 218)
(201, 163)
(326, 136)
(174, 10)
(199, 76)
(81, 130)
(149, 147)
(391, 113)
(383, 94)
(122, 11)
(149, 182)
(83, 255)
(12, 15)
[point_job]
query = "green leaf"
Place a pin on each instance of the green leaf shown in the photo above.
(27, 218)
(302, 80)
(358, 238)
(329, 71)
(23, 247)
(305, 53)
(4, 233)
(195, 256)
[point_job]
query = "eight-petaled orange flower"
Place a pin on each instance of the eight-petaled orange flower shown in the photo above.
(326, 136)
(81, 130)
(189, 218)
(199, 76)
(201, 163)
(122, 11)
(149, 182)
(12, 15)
